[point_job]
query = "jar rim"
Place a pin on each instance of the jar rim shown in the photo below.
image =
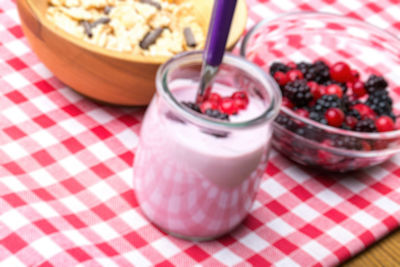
(269, 84)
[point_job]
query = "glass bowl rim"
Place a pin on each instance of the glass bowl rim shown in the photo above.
(287, 111)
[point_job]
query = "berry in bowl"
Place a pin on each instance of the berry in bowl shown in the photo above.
(340, 85)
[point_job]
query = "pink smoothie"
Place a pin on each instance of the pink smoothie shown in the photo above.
(191, 183)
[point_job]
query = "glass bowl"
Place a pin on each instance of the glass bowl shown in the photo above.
(311, 36)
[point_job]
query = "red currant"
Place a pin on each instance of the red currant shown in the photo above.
(292, 65)
(294, 75)
(281, 78)
(287, 103)
(215, 97)
(384, 124)
(228, 106)
(240, 103)
(365, 111)
(355, 75)
(240, 95)
(334, 89)
(351, 121)
(302, 112)
(341, 72)
(314, 89)
(358, 88)
(334, 117)
(365, 145)
(208, 105)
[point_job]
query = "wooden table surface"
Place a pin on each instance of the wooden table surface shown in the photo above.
(383, 253)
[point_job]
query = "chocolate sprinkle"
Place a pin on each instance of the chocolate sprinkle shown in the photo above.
(103, 20)
(107, 10)
(189, 37)
(150, 38)
(87, 28)
(152, 2)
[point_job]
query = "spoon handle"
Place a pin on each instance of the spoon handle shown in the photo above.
(220, 25)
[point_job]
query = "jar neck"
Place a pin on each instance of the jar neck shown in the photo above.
(192, 61)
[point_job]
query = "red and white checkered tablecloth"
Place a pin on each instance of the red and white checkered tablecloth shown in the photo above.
(66, 193)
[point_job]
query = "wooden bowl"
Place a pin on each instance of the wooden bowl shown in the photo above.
(107, 76)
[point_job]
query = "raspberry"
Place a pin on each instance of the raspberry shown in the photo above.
(298, 92)
(341, 72)
(366, 125)
(278, 66)
(375, 83)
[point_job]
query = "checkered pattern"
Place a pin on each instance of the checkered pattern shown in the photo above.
(66, 178)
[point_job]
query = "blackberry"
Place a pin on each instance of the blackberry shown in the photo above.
(318, 116)
(278, 66)
(375, 83)
(325, 102)
(298, 92)
(311, 133)
(367, 126)
(318, 72)
(354, 113)
(214, 113)
(380, 102)
(286, 122)
(347, 142)
(347, 103)
(303, 67)
(192, 106)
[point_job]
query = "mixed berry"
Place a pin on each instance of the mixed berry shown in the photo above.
(335, 95)
(218, 107)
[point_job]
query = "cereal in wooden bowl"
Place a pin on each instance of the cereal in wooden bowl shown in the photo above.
(142, 27)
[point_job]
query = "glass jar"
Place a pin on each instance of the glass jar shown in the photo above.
(196, 177)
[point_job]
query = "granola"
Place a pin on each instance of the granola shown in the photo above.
(145, 27)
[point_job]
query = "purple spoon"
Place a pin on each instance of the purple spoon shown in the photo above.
(217, 36)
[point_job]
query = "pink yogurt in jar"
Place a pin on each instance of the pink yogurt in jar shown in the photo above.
(196, 177)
